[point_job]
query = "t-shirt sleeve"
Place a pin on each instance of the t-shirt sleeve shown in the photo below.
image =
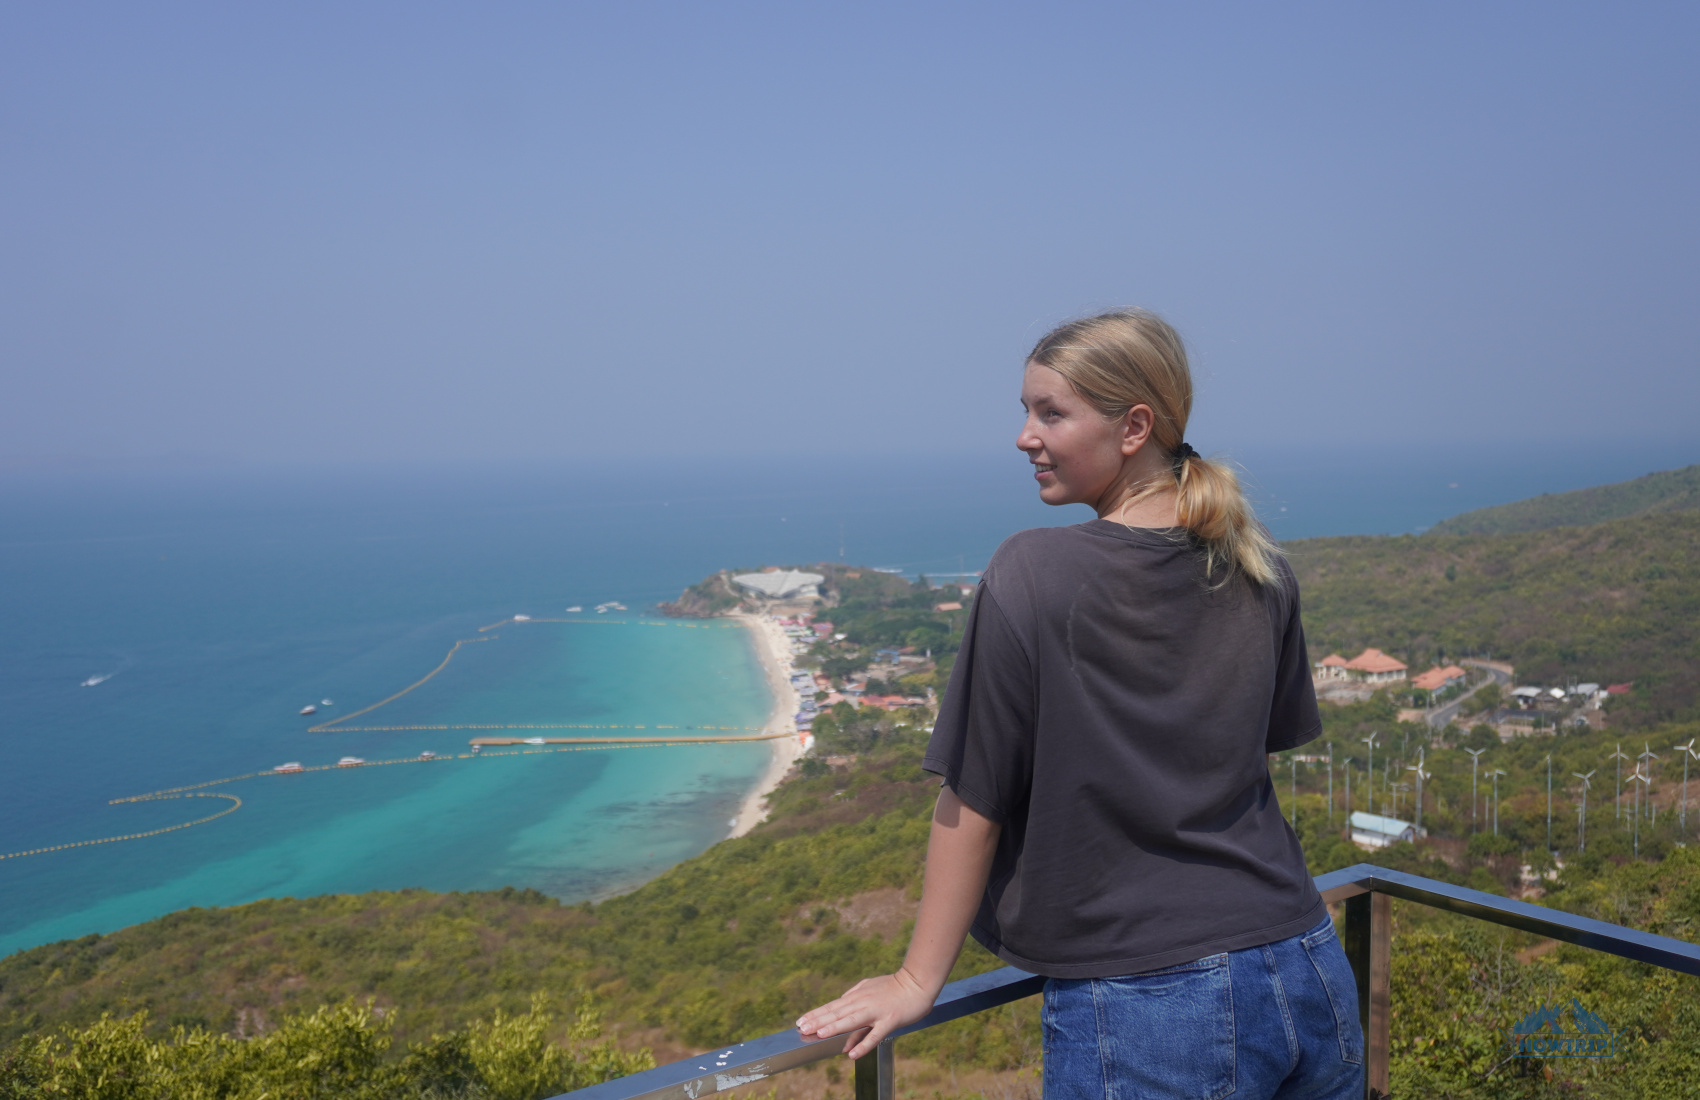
(1293, 717)
(983, 742)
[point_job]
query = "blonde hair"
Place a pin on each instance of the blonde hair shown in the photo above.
(1132, 357)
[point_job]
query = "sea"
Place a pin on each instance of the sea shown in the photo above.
(162, 629)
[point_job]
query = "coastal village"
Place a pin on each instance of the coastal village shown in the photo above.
(825, 648)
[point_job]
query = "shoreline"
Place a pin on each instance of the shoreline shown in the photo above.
(773, 650)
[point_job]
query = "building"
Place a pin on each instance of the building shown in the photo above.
(1376, 667)
(1332, 667)
(1438, 678)
(1374, 831)
(781, 584)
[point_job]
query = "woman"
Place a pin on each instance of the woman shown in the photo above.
(1107, 818)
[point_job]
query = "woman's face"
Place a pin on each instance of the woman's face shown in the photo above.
(1078, 454)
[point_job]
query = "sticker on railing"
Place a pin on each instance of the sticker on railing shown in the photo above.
(1541, 1034)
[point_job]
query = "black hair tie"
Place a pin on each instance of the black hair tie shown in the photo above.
(1182, 452)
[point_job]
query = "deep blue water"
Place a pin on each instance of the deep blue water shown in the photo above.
(220, 604)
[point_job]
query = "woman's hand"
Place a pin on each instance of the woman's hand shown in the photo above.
(959, 857)
(873, 1007)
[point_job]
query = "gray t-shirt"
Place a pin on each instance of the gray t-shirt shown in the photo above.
(1112, 711)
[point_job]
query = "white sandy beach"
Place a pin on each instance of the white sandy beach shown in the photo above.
(774, 650)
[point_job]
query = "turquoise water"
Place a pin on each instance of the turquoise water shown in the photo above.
(219, 606)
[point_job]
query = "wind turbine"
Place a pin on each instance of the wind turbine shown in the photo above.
(1549, 801)
(1369, 772)
(1495, 774)
(1645, 757)
(1637, 777)
(1686, 751)
(1617, 799)
(1330, 782)
(1475, 758)
(1293, 763)
(1582, 827)
(1421, 775)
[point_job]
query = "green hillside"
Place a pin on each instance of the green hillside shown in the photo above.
(1614, 603)
(1669, 491)
(736, 942)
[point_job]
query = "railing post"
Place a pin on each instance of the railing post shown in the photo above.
(876, 1074)
(1369, 942)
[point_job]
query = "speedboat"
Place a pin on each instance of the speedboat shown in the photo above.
(427, 755)
(309, 709)
(349, 762)
(93, 680)
(326, 703)
(522, 618)
(535, 741)
(292, 766)
(575, 608)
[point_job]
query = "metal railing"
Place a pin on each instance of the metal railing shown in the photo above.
(1367, 891)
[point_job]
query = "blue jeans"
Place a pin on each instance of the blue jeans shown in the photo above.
(1279, 1020)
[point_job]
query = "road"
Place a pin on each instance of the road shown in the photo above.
(1446, 712)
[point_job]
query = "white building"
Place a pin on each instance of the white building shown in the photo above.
(1374, 831)
(781, 584)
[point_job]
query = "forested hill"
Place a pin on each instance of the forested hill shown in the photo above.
(1612, 603)
(1669, 491)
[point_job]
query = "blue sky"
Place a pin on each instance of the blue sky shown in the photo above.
(356, 232)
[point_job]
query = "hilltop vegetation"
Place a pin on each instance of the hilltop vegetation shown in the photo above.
(1667, 491)
(1613, 603)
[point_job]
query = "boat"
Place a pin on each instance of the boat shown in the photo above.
(309, 709)
(93, 680)
(292, 766)
(575, 608)
(522, 618)
(350, 762)
(326, 703)
(427, 755)
(611, 605)
(535, 741)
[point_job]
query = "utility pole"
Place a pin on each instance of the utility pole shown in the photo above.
(1582, 819)
(1617, 798)
(1475, 758)
(1686, 751)
(1369, 773)
(1496, 773)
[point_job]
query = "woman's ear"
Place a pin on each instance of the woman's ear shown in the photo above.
(1136, 428)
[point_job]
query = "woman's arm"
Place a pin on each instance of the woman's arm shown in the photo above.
(959, 857)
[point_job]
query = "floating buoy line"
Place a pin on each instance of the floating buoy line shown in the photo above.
(522, 746)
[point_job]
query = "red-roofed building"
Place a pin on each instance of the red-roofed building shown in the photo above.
(1437, 678)
(1376, 667)
(1619, 689)
(1331, 667)
(951, 606)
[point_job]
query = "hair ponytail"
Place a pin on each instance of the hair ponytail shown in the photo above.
(1132, 357)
